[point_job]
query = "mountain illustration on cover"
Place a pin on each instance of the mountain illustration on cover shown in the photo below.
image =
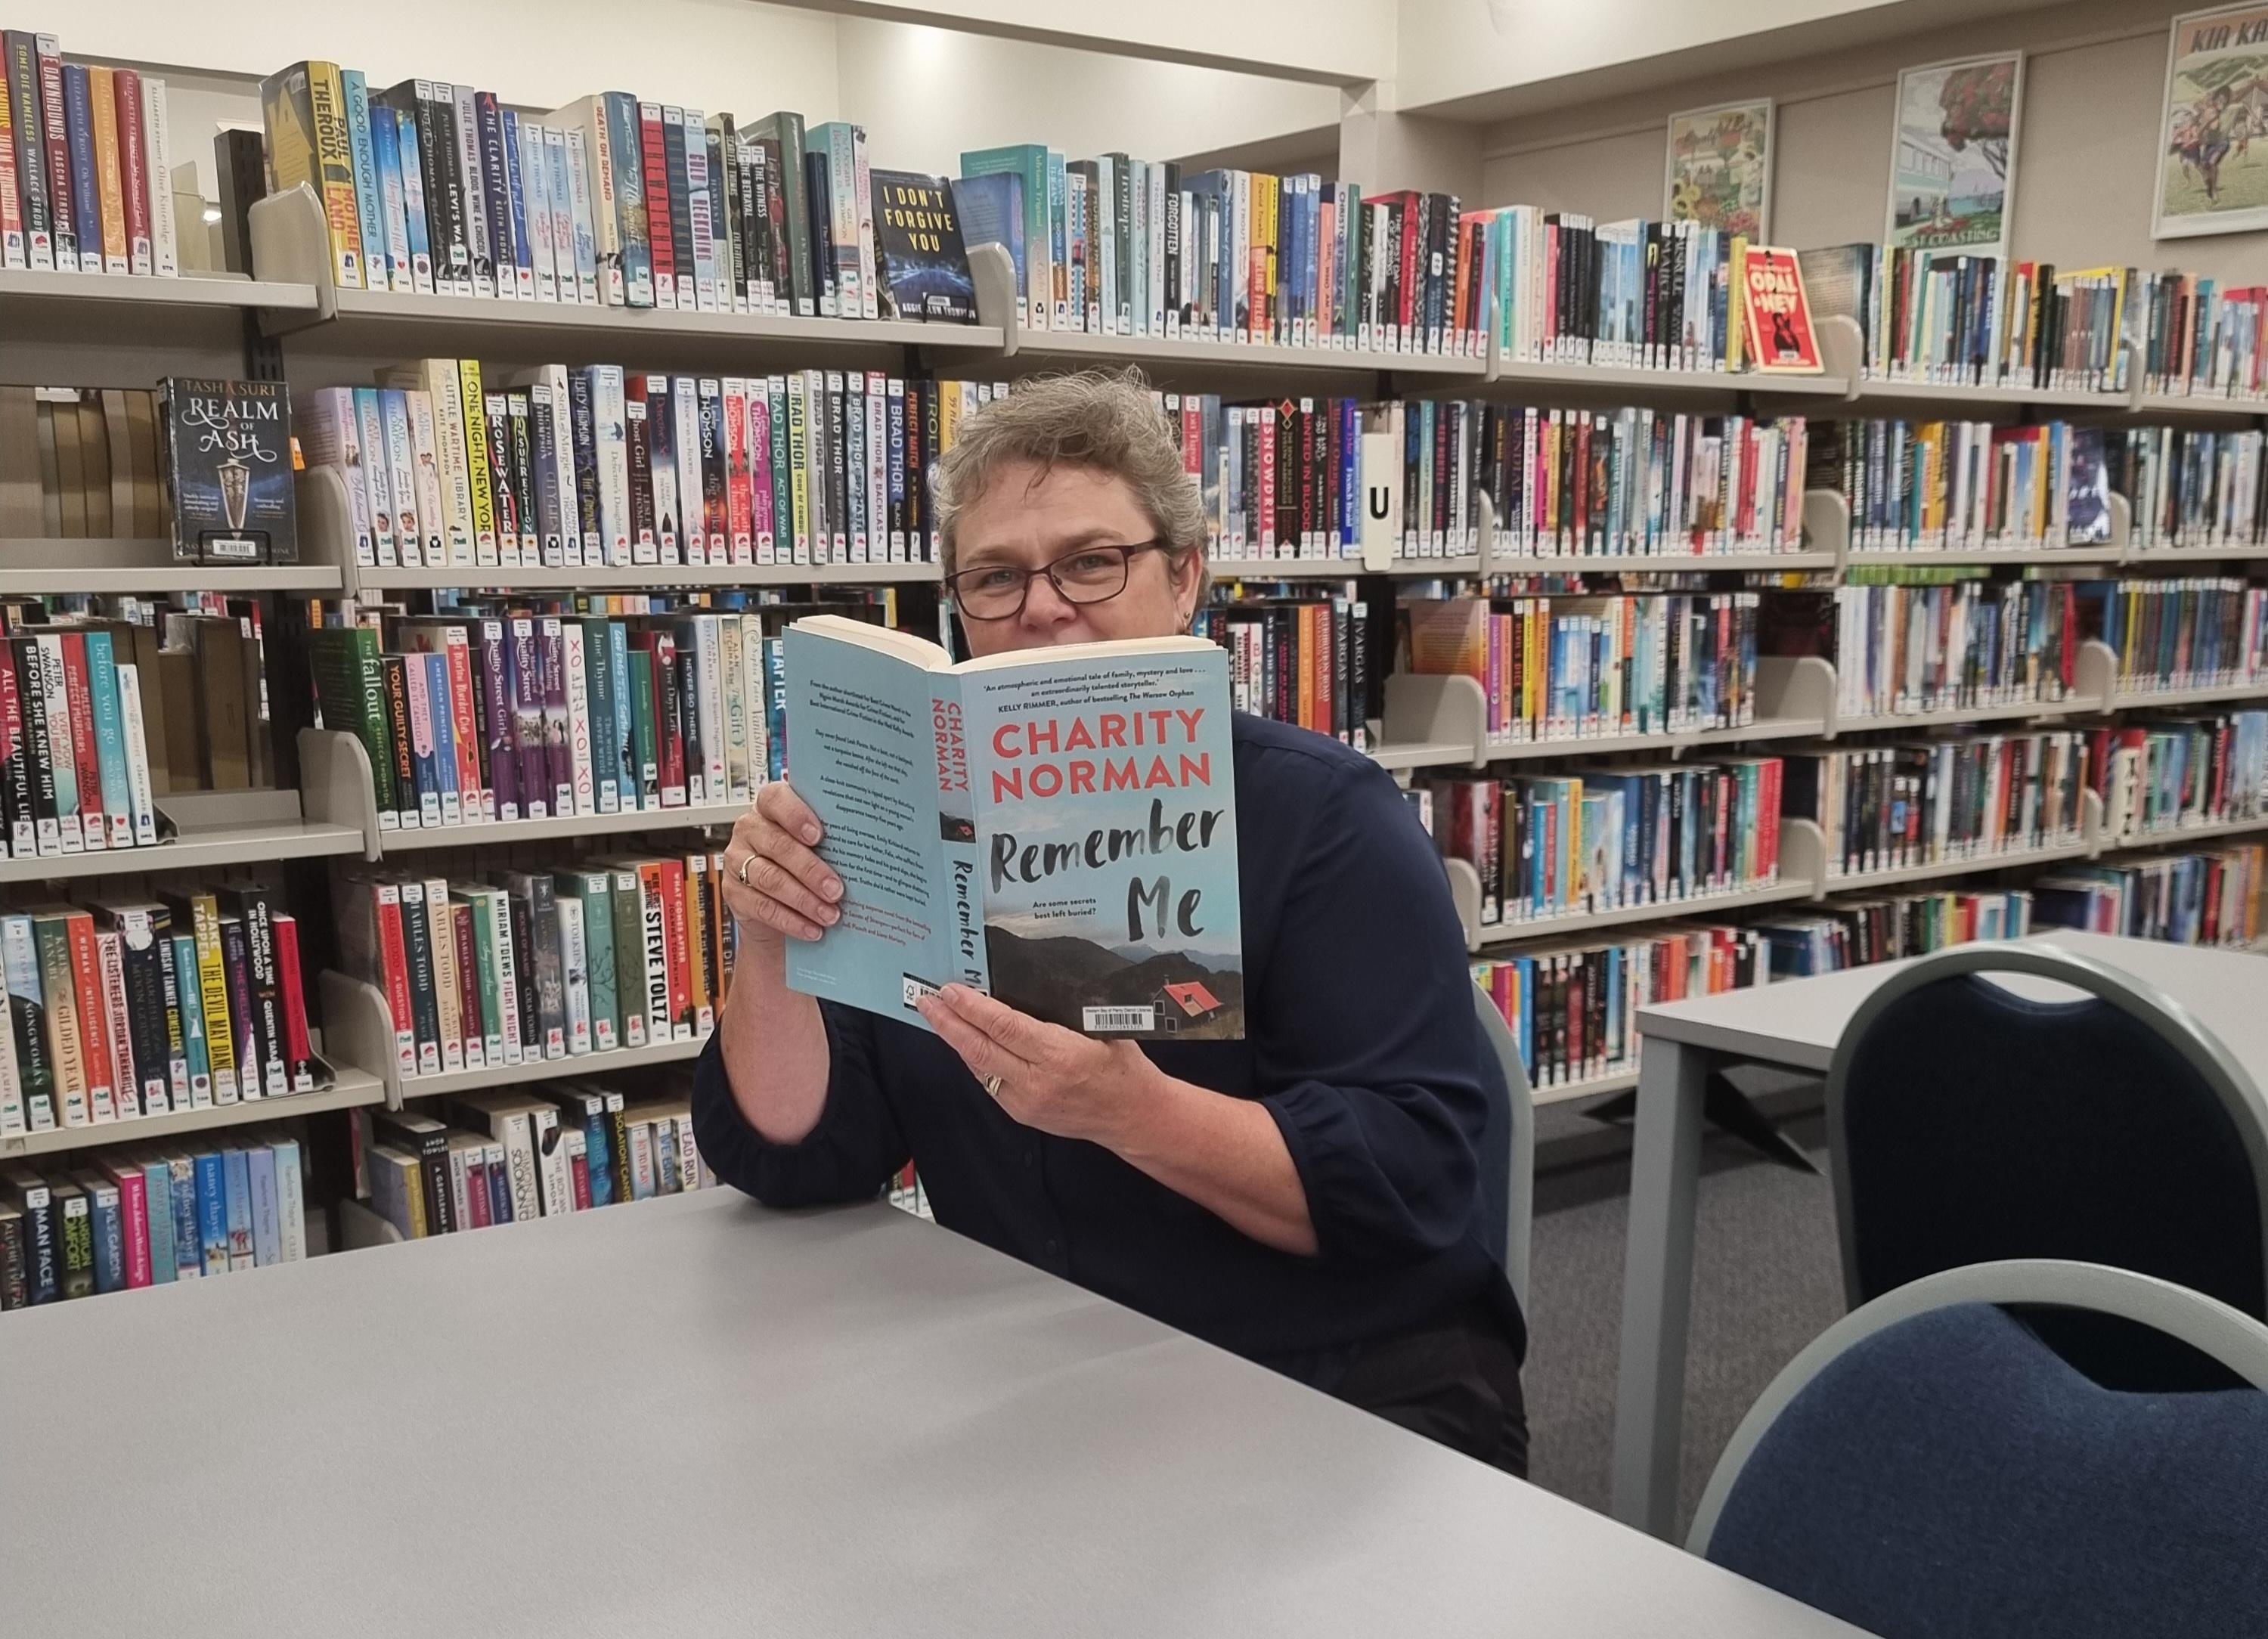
(1196, 997)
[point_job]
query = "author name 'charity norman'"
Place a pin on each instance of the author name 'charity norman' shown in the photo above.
(1039, 757)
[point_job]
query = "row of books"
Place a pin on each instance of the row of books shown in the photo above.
(1856, 933)
(1569, 289)
(86, 165)
(1550, 845)
(2176, 632)
(486, 718)
(2164, 776)
(519, 966)
(1902, 649)
(2219, 896)
(1639, 482)
(147, 1215)
(1117, 246)
(1962, 486)
(1963, 319)
(1923, 802)
(598, 466)
(2193, 337)
(1598, 667)
(1303, 658)
(507, 1158)
(74, 749)
(433, 187)
(131, 1008)
(1574, 1011)
(2193, 488)
(1286, 479)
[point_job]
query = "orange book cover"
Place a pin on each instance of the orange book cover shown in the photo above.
(1777, 313)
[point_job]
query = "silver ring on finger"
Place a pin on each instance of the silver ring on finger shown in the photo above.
(746, 860)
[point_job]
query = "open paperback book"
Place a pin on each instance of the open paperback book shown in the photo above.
(1054, 826)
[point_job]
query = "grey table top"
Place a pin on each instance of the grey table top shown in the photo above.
(696, 1418)
(1797, 1022)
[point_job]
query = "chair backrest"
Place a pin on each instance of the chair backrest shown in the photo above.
(1968, 1124)
(1509, 1191)
(1929, 1465)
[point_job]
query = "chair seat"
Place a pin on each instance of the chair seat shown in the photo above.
(1952, 1477)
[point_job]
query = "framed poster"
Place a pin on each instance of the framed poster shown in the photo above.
(1719, 169)
(1953, 162)
(2212, 146)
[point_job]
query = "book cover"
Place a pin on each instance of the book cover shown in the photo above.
(1065, 835)
(228, 470)
(924, 272)
(991, 209)
(1778, 337)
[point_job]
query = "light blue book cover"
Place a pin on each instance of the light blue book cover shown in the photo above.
(412, 161)
(1056, 826)
(235, 1207)
(618, 665)
(992, 212)
(188, 1246)
(109, 739)
(191, 996)
(290, 1198)
(267, 1231)
(212, 1211)
(370, 205)
(157, 1210)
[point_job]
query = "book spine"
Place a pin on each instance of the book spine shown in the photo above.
(189, 996)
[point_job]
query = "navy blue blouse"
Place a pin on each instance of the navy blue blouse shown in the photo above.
(1362, 1043)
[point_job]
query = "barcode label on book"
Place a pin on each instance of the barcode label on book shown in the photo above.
(1119, 1018)
(917, 988)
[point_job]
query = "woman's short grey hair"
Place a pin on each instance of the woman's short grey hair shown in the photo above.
(1103, 421)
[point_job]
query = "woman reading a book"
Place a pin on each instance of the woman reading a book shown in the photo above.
(1309, 1196)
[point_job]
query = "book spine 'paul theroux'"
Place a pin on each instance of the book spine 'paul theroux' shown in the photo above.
(228, 446)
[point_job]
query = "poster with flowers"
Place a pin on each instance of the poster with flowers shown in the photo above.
(1953, 167)
(1720, 171)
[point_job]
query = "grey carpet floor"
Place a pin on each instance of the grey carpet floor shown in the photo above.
(1767, 1280)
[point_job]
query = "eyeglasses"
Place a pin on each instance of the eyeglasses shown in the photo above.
(996, 591)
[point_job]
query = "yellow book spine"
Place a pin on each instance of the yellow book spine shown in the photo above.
(476, 458)
(109, 168)
(1736, 338)
(327, 102)
(212, 990)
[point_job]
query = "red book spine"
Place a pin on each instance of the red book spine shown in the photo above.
(81, 747)
(394, 958)
(133, 1219)
(580, 1164)
(478, 793)
(475, 1036)
(678, 954)
(655, 153)
(134, 168)
(299, 1051)
(93, 1011)
(476, 1195)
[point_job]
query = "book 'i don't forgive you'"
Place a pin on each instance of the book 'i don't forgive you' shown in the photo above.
(1054, 827)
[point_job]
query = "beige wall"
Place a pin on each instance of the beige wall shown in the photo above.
(2094, 80)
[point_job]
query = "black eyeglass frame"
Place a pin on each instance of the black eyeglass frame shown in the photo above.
(1124, 549)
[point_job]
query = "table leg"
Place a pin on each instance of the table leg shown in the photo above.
(1657, 1286)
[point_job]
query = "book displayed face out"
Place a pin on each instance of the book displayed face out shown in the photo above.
(1056, 826)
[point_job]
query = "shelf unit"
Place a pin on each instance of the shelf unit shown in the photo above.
(339, 789)
(351, 1089)
(1465, 893)
(44, 566)
(362, 1027)
(325, 518)
(202, 830)
(188, 290)
(290, 246)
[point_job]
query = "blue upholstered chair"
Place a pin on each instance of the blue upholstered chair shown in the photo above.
(1511, 1132)
(1969, 1123)
(1930, 1469)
